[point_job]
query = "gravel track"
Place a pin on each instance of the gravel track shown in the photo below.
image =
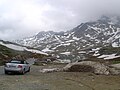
(35, 80)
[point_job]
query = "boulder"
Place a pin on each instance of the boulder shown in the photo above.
(85, 66)
(88, 66)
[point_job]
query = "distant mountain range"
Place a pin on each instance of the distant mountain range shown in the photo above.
(78, 42)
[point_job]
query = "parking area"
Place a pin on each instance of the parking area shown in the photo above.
(35, 80)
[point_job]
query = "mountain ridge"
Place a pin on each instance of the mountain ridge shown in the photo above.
(100, 33)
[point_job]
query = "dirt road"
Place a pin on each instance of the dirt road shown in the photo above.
(35, 80)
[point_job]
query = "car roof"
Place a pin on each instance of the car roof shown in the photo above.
(16, 60)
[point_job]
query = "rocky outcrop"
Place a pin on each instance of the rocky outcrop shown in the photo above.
(115, 69)
(86, 66)
(89, 66)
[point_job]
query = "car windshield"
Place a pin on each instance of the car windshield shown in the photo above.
(17, 62)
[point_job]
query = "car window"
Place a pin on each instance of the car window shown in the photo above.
(17, 62)
(25, 62)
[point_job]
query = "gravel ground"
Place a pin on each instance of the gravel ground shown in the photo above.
(35, 80)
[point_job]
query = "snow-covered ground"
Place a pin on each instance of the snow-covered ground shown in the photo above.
(82, 52)
(111, 56)
(105, 57)
(64, 61)
(115, 44)
(47, 50)
(96, 54)
(21, 48)
(66, 53)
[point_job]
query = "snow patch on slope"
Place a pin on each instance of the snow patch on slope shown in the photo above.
(66, 53)
(47, 50)
(21, 48)
(111, 56)
(115, 44)
(75, 38)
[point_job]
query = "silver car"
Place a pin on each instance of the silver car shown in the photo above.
(20, 66)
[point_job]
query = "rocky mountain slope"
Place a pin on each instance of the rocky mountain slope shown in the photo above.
(78, 42)
(10, 50)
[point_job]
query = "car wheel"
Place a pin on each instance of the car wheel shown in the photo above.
(29, 69)
(23, 72)
(6, 72)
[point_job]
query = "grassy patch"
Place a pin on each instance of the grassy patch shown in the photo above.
(115, 62)
(109, 50)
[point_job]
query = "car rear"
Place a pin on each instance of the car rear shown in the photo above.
(14, 66)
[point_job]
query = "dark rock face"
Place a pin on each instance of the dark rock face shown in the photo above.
(81, 68)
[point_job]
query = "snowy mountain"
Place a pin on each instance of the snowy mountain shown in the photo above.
(74, 44)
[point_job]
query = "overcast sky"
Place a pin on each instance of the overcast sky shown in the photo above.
(24, 18)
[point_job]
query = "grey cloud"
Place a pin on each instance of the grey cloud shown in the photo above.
(21, 18)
